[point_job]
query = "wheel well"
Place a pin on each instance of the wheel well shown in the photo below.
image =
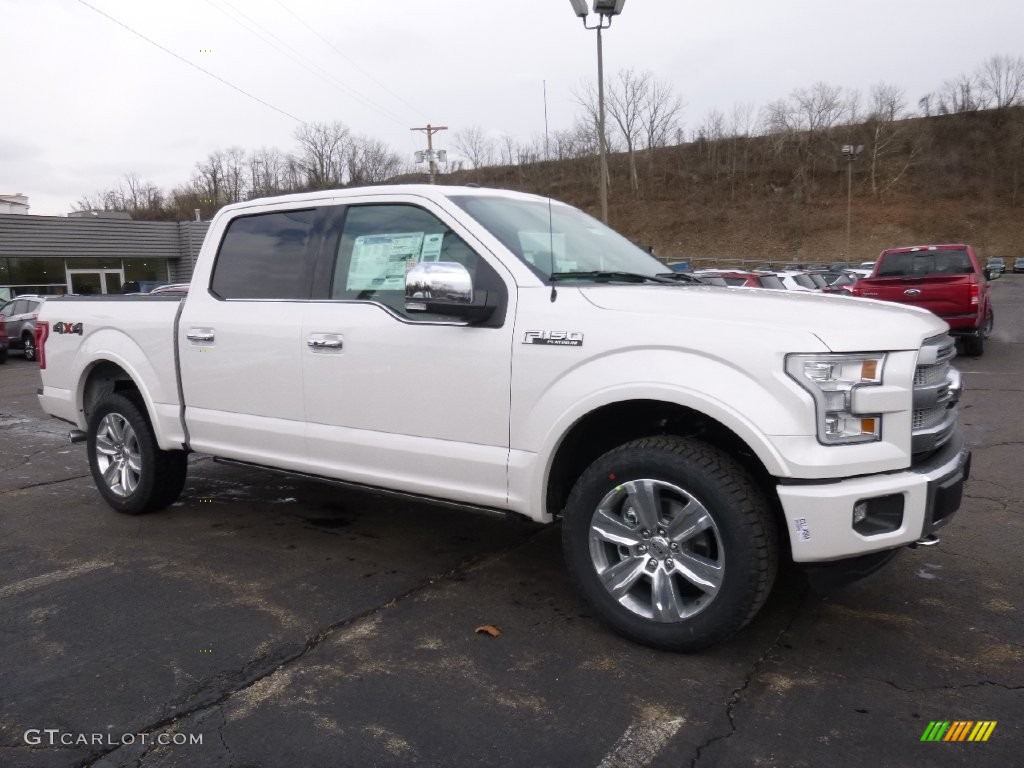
(613, 425)
(104, 378)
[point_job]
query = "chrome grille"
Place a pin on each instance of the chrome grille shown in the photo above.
(936, 392)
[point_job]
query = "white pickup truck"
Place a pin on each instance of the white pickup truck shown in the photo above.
(500, 350)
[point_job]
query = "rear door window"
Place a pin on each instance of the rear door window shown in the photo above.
(266, 256)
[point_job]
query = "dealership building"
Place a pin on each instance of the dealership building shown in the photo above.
(93, 252)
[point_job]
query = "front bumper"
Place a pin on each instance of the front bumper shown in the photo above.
(820, 519)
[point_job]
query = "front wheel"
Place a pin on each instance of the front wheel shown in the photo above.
(130, 470)
(671, 542)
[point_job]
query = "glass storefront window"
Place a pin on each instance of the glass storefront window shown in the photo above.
(94, 263)
(145, 269)
(35, 271)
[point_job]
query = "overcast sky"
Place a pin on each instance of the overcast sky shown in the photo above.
(83, 100)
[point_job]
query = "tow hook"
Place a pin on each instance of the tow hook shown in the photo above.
(77, 436)
(928, 541)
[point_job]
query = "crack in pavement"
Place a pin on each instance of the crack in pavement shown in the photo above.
(43, 484)
(734, 697)
(467, 566)
(962, 686)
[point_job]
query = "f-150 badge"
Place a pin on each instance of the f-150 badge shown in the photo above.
(554, 338)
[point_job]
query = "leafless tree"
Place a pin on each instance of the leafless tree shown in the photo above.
(1001, 81)
(627, 97)
(236, 183)
(475, 144)
(321, 153)
(266, 172)
(371, 161)
(660, 113)
(887, 108)
(819, 107)
(962, 94)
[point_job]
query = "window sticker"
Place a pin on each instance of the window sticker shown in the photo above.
(432, 247)
(379, 262)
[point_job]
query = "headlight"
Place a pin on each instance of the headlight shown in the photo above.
(831, 380)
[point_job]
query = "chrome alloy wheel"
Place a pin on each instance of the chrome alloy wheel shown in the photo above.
(657, 550)
(118, 454)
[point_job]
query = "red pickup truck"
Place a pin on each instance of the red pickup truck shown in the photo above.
(946, 279)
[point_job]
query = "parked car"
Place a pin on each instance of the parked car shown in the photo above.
(20, 315)
(742, 279)
(796, 280)
(688, 440)
(1018, 264)
(3, 340)
(996, 266)
(946, 279)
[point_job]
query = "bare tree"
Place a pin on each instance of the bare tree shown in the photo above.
(236, 185)
(962, 94)
(475, 144)
(321, 155)
(266, 172)
(819, 107)
(627, 97)
(660, 113)
(1001, 81)
(371, 161)
(888, 105)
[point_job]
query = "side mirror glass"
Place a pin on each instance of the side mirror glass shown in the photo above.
(446, 288)
(992, 274)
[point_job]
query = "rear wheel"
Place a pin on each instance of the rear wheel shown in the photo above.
(671, 543)
(29, 345)
(974, 346)
(3, 355)
(131, 472)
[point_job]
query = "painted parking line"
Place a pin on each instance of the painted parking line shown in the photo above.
(51, 578)
(642, 741)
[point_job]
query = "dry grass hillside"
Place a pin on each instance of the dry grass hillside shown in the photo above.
(783, 196)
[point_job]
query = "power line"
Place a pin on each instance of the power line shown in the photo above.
(194, 66)
(348, 59)
(323, 73)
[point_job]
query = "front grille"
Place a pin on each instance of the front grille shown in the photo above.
(936, 391)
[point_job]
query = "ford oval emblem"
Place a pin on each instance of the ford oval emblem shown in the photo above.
(912, 292)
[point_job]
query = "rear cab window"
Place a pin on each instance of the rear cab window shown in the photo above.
(266, 256)
(921, 263)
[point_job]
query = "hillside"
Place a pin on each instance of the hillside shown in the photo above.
(783, 197)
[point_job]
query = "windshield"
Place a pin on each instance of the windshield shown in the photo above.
(564, 242)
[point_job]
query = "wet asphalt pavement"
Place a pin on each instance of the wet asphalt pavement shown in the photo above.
(281, 622)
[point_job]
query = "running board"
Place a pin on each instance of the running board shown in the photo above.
(372, 489)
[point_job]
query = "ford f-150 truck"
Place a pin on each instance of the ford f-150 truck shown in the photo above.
(499, 350)
(945, 279)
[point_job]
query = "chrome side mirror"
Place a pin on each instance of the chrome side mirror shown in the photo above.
(446, 288)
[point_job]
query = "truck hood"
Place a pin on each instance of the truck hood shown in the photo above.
(843, 324)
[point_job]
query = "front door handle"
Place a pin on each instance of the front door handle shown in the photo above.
(200, 335)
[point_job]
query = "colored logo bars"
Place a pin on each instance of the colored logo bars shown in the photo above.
(958, 730)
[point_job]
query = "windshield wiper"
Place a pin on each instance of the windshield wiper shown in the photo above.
(599, 275)
(680, 277)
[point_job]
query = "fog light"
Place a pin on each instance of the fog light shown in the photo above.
(860, 512)
(881, 514)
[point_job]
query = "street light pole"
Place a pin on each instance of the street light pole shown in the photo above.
(602, 186)
(849, 151)
(605, 9)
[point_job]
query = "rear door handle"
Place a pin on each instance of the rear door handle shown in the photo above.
(198, 335)
(325, 341)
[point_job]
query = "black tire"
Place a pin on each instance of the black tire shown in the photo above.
(29, 345)
(974, 346)
(160, 475)
(738, 550)
(3, 355)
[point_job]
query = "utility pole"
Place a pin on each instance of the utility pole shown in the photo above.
(849, 151)
(430, 155)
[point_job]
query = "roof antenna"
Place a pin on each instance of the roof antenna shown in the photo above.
(551, 230)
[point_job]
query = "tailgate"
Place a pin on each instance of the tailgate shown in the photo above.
(941, 294)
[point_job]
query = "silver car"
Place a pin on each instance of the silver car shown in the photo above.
(20, 314)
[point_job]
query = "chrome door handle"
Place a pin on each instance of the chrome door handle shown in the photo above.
(325, 343)
(200, 334)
